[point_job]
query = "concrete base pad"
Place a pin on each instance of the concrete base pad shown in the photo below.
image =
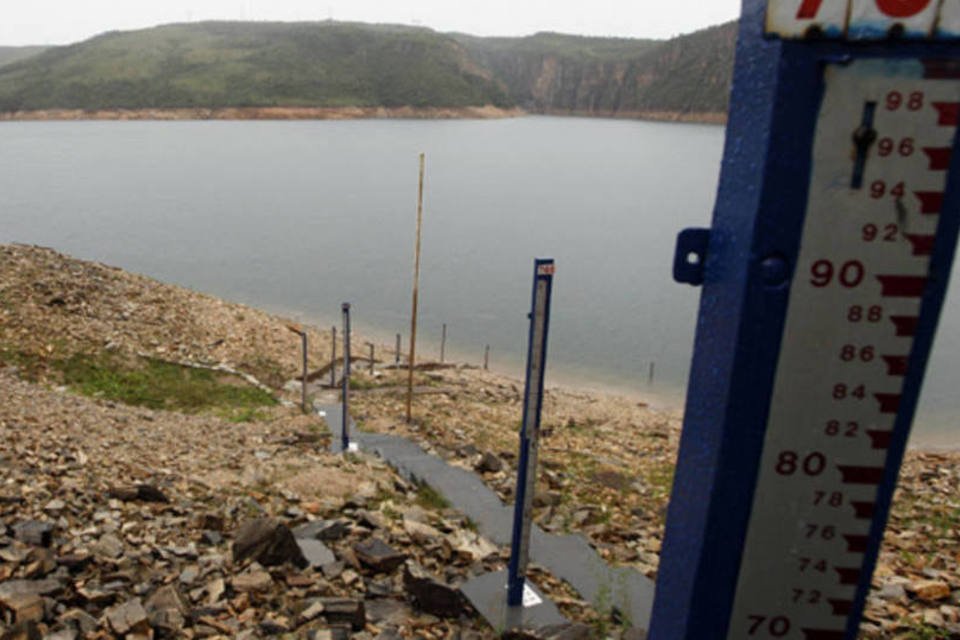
(488, 595)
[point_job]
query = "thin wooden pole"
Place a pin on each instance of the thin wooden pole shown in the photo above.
(416, 294)
(333, 360)
(397, 352)
(372, 355)
(486, 358)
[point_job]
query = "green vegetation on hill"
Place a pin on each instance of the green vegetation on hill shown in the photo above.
(10, 55)
(219, 64)
(330, 64)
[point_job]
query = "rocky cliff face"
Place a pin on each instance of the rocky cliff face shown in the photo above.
(686, 75)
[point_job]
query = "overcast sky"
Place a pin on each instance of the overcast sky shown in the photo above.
(64, 21)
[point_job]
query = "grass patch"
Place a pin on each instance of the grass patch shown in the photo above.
(660, 479)
(923, 632)
(268, 371)
(363, 384)
(161, 385)
(430, 498)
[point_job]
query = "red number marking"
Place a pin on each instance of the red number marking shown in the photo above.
(902, 8)
(809, 9)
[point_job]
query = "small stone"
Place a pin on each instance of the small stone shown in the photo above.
(39, 534)
(169, 621)
(316, 553)
(430, 595)
(489, 463)
(378, 555)
(273, 627)
(167, 597)
(25, 607)
(13, 588)
(55, 506)
(892, 592)
(255, 581)
(215, 591)
(190, 574)
(547, 499)
(330, 633)
(128, 617)
(150, 493)
(931, 590)
(81, 620)
(313, 611)
(420, 533)
(333, 570)
(109, 546)
(22, 631)
(267, 541)
(212, 538)
(326, 530)
(345, 610)
(470, 546)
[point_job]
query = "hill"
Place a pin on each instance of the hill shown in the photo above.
(219, 64)
(9, 55)
(607, 76)
(330, 65)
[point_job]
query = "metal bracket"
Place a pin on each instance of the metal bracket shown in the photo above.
(689, 262)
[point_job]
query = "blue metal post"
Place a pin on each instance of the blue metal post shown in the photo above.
(345, 424)
(799, 195)
(530, 431)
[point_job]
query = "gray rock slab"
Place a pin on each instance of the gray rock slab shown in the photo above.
(569, 557)
(488, 595)
(316, 553)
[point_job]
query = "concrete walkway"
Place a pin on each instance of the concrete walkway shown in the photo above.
(569, 557)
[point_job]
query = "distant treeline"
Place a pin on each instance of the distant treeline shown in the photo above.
(332, 64)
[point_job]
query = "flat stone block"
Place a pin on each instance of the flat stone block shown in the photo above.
(488, 595)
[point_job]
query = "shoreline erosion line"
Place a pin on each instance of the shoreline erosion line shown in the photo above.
(486, 112)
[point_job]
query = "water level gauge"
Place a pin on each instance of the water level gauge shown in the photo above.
(824, 276)
(880, 158)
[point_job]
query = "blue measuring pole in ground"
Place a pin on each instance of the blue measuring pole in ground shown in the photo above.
(345, 423)
(543, 272)
(823, 276)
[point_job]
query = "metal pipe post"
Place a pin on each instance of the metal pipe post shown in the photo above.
(486, 358)
(397, 356)
(530, 431)
(303, 387)
(372, 355)
(443, 343)
(345, 422)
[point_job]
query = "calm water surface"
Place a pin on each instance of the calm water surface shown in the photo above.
(299, 216)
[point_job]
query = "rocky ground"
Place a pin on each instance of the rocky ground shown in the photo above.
(124, 520)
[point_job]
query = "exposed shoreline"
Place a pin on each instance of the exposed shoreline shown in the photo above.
(487, 112)
(267, 113)
(719, 118)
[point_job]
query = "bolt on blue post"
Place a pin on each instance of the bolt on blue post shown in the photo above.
(543, 272)
(823, 277)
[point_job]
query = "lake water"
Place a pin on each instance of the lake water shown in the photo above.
(298, 216)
